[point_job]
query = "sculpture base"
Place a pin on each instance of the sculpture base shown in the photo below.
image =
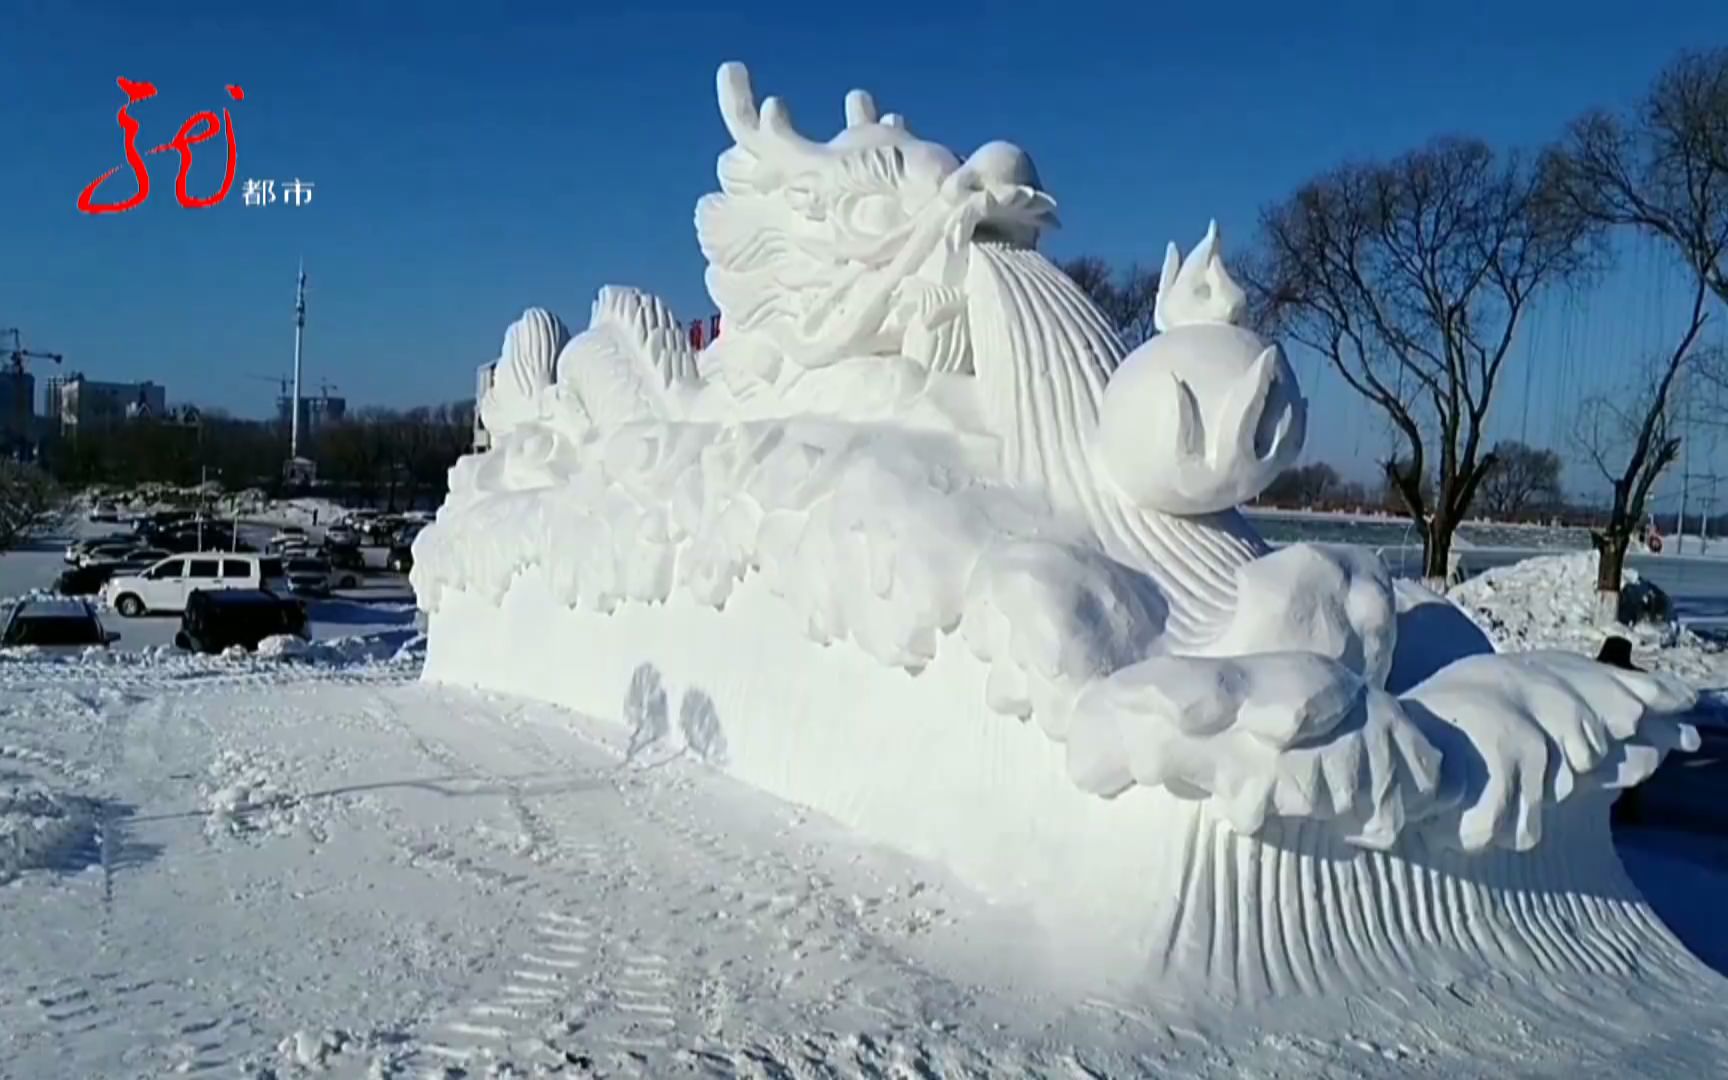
(1146, 886)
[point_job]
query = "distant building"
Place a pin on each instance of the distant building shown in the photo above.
(18, 428)
(51, 398)
(86, 404)
(482, 385)
(315, 412)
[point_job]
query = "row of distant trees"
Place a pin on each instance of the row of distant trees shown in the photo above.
(1523, 484)
(391, 458)
(1413, 276)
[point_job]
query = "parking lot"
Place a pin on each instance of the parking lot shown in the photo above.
(383, 601)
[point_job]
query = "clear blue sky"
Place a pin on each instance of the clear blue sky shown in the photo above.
(469, 163)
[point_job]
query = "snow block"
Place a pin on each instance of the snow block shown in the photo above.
(1145, 886)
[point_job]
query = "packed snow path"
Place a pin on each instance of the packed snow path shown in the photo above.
(290, 870)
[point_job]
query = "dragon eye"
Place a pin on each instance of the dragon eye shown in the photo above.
(806, 201)
(875, 213)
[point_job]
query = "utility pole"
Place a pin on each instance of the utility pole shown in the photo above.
(299, 333)
(1686, 467)
(1680, 523)
(1704, 523)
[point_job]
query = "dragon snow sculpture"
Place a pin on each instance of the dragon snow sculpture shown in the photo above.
(926, 442)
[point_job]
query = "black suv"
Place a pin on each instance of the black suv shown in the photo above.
(55, 623)
(88, 580)
(218, 618)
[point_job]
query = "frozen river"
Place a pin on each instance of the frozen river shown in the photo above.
(1698, 584)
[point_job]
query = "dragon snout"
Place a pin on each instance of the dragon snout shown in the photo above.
(1011, 202)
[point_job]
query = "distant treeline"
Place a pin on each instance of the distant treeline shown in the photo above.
(395, 459)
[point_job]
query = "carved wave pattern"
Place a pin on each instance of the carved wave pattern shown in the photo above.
(1043, 354)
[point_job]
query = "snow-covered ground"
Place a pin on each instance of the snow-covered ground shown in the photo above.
(291, 870)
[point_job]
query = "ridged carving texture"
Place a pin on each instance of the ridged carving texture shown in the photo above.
(527, 366)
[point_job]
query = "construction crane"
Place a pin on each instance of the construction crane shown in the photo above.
(18, 354)
(280, 380)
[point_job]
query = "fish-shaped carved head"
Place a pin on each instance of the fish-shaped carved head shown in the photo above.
(1206, 414)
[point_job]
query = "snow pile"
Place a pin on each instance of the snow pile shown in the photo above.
(39, 827)
(1550, 603)
(405, 645)
(313, 1049)
(242, 796)
(283, 647)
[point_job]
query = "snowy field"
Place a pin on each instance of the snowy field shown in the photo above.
(272, 868)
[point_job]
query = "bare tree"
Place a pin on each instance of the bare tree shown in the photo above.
(1411, 278)
(1663, 173)
(400, 456)
(1303, 485)
(1523, 479)
(27, 499)
(1398, 475)
(1129, 298)
(1630, 441)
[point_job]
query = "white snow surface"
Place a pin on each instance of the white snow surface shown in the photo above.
(39, 827)
(312, 871)
(1549, 602)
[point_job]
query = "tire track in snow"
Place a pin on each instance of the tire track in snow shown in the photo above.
(647, 1000)
(189, 1031)
(191, 1040)
(557, 966)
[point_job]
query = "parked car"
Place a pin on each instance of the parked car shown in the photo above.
(79, 547)
(316, 577)
(217, 619)
(161, 520)
(216, 536)
(342, 536)
(166, 585)
(401, 557)
(104, 512)
(381, 529)
(114, 554)
(343, 556)
(55, 623)
(106, 553)
(88, 580)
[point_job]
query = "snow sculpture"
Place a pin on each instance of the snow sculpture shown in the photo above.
(914, 542)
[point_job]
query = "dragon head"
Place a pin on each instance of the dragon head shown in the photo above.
(820, 251)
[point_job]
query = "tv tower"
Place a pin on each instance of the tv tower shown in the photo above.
(299, 334)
